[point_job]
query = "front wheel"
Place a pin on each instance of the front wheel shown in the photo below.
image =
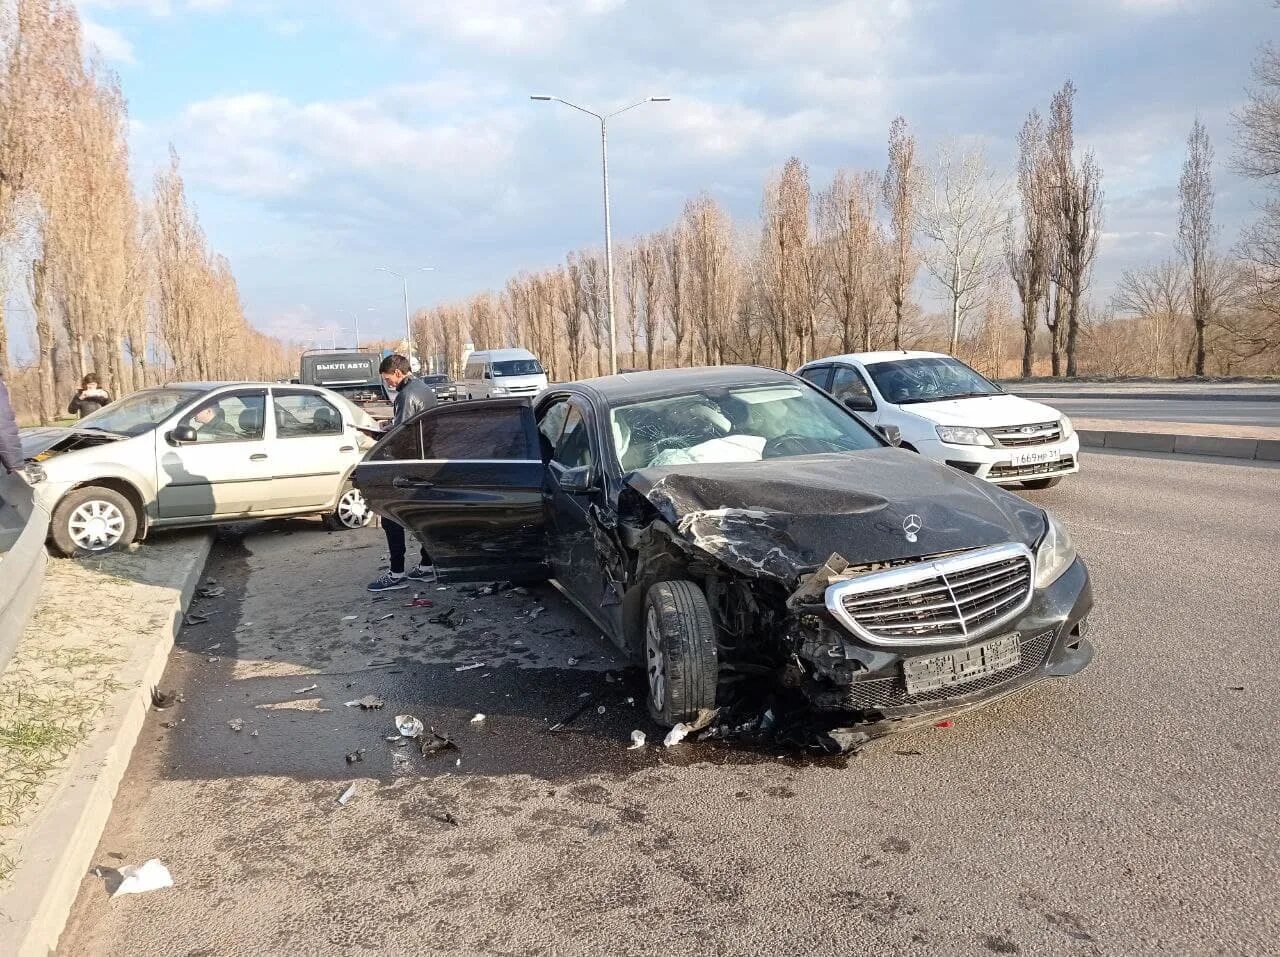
(1038, 484)
(93, 520)
(681, 660)
(351, 512)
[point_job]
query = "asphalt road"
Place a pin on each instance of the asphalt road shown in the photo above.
(1221, 412)
(1128, 811)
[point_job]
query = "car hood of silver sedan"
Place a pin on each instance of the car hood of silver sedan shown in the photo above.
(782, 518)
(46, 440)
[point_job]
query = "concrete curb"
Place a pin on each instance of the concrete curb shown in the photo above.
(1033, 394)
(59, 848)
(1259, 450)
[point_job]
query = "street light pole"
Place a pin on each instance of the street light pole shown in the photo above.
(608, 229)
(408, 322)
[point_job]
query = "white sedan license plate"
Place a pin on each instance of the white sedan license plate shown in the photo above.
(1035, 456)
(930, 672)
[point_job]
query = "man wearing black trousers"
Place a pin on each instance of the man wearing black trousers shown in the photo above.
(412, 396)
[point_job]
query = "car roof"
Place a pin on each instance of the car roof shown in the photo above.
(503, 354)
(210, 386)
(871, 358)
(655, 383)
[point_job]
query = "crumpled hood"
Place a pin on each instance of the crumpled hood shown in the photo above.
(986, 412)
(35, 441)
(782, 518)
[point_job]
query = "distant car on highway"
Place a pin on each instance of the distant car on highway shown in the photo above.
(948, 412)
(731, 522)
(444, 388)
(198, 453)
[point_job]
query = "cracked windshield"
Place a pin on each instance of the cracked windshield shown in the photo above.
(733, 425)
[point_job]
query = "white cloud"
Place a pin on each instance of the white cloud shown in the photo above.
(109, 42)
(497, 25)
(157, 8)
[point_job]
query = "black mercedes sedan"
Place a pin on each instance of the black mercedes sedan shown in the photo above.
(733, 522)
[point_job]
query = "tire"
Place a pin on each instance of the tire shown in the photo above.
(351, 513)
(93, 520)
(680, 657)
(1038, 484)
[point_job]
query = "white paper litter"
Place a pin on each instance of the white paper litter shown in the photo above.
(348, 794)
(471, 667)
(350, 617)
(478, 719)
(637, 741)
(409, 726)
(151, 875)
(306, 689)
(675, 735)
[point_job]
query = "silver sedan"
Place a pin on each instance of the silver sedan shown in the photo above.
(198, 453)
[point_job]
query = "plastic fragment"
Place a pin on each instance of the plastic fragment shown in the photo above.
(356, 755)
(409, 726)
(572, 662)
(471, 667)
(536, 611)
(676, 735)
(637, 741)
(390, 614)
(236, 724)
(600, 710)
(478, 719)
(306, 689)
(944, 723)
(150, 875)
(350, 618)
(370, 702)
(348, 794)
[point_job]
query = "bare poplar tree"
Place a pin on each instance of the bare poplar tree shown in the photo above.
(785, 269)
(1077, 203)
(649, 252)
(675, 243)
(901, 187)
(963, 215)
(572, 297)
(1029, 239)
(1195, 229)
(855, 257)
(712, 278)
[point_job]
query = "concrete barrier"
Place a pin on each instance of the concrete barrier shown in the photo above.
(1260, 450)
(23, 558)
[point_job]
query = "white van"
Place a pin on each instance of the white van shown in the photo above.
(948, 412)
(501, 372)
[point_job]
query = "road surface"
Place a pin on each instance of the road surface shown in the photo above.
(1128, 811)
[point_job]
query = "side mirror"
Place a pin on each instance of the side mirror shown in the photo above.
(859, 403)
(181, 435)
(576, 481)
(892, 434)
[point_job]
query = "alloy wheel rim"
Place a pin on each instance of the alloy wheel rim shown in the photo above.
(352, 510)
(96, 525)
(654, 664)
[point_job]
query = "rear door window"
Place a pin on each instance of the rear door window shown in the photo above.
(847, 383)
(476, 433)
(818, 375)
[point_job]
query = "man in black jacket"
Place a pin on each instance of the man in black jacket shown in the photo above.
(10, 444)
(412, 396)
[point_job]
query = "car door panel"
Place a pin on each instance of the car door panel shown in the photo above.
(309, 463)
(226, 476)
(479, 509)
(575, 561)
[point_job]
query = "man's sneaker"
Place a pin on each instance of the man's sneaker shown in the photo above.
(423, 573)
(389, 582)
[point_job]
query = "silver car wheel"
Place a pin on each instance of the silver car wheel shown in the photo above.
(352, 511)
(96, 525)
(655, 664)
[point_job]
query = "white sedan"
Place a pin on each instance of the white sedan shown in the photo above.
(945, 410)
(198, 453)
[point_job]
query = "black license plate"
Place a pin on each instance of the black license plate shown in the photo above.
(930, 672)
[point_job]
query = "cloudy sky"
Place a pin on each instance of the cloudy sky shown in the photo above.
(323, 138)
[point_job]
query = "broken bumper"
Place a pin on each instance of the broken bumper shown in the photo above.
(869, 682)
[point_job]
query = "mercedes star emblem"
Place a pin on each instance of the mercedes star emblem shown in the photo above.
(911, 525)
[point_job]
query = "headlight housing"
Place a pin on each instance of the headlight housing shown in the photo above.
(1054, 554)
(964, 435)
(497, 390)
(1067, 429)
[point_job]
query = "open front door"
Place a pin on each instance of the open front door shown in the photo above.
(468, 482)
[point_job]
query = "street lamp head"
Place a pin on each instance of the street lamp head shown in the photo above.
(659, 99)
(539, 96)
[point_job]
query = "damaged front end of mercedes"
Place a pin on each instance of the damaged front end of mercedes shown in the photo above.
(886, 608)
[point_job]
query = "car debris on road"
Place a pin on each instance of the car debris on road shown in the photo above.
(409, 726)
(345, 798)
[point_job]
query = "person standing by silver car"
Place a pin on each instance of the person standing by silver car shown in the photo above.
(10, 444)
(412, 396)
